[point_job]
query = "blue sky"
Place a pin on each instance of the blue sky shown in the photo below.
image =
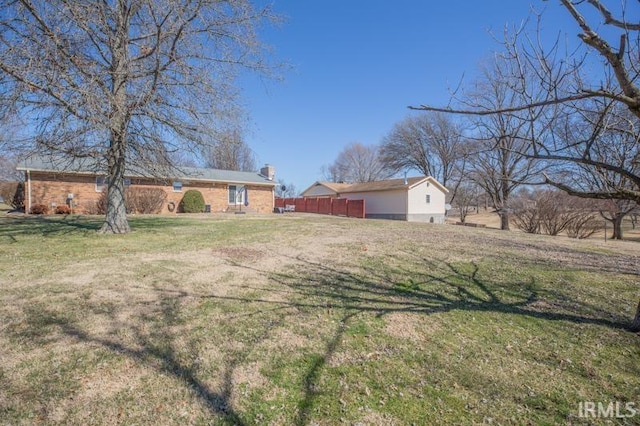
(358, 64)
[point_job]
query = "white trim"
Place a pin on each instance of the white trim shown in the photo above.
(407, 204)
(431, 179)
(192, 179)
(100, 187)
(27, 210)
(239, 195)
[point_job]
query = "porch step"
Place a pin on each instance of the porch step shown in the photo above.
(239, 209)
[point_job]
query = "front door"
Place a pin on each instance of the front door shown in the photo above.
(236, 194)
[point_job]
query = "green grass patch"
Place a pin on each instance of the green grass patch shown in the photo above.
(305, 319)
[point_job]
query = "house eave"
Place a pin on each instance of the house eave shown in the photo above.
(137, 176)
(432, 180)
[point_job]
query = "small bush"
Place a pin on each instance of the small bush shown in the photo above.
(137, 200)
(63, 209)
(583, 226)
(100, 206)
(527, 220)
(556, 210)
(553, 212)
(192, 202)
(90, 208)
(39, 209)
(145, 200)
(526, 216)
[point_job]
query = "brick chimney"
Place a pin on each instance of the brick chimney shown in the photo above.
(268, 171)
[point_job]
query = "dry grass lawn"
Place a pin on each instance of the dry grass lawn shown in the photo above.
(305, 319)
(490, 219)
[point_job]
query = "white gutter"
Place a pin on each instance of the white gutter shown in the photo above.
(406, 206)
(28, 209)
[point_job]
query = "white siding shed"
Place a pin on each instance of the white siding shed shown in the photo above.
(416, 199)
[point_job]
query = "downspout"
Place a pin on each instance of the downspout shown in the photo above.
(28, 209)
(406, 206)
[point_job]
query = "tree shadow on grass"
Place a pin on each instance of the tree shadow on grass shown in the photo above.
(311, 378)
(402, 283)
(429, 286)
(421, 286)
(12, 228)
(15, 227)
(154, 345)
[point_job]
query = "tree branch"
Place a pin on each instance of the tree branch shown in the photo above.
(619, 193)
(507, 110)
(610, 20)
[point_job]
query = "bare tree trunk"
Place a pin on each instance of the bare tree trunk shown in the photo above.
(116, 217)
(617, 227)
(115, 221)
(635, 325)
(504, 220)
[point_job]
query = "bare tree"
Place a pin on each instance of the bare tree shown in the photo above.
(614, 211)
(358, 163)
(124, 82)
(466, 200)
(327, 173)
(230, 152)
(604, 132)
(431, 143)
(563, 80)
(8, 172)
(499, 170)
(499, 163)
(286, 190)
(551, 83)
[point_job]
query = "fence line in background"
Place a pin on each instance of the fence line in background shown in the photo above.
(324, 205)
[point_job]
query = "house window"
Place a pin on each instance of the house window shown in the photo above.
(101, 183)
(177, 186)
(428, 198)
(236, 194)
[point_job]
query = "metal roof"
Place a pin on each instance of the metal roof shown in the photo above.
(93, 167)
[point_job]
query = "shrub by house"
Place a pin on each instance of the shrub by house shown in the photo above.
(192, 202)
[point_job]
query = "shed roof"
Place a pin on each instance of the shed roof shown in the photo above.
(90, 166)
(381, 185)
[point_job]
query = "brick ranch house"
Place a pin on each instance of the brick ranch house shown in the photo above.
(79, 183)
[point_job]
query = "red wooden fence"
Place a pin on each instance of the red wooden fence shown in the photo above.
(301, 205)
(339, 207)
(324, 205)
(355, 208)
(312, 205)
